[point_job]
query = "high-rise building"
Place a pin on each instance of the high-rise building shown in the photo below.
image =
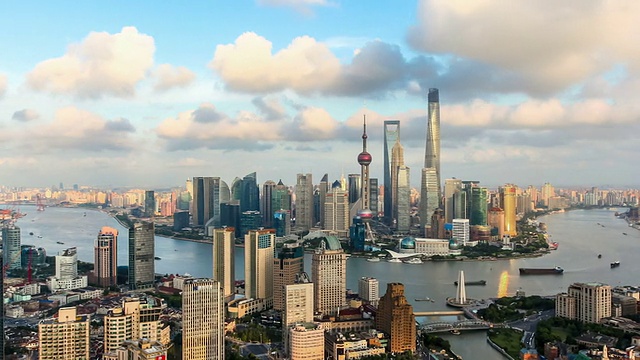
(141, 255)
(66, 277)
(329, 276)
(397, 160)
(65, 337)
(250, 197)
(374, 192)
(323, 189)
(250, 220)
(259, 251)
(508, 202)
(432, 151)
(224, 260)
(391, 134)
(336, 209)
(395, 317)
(478, 214)
(11, 247)
(429, 195)
(460, 231)
(451, 187)
(106, 257)
(208, 194)
(306, 342)
(547, 192)
(202, 320)
(354, 188)
(266, 207)
(587, 302)
(286, 267)
(298, 305)
(136, 318)
(149, 203)
(304, 201)
(403, 199)
(282, 222)
(230, 216)
(368, 289)
(281, 197)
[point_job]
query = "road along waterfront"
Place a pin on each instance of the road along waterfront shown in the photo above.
(581, 240)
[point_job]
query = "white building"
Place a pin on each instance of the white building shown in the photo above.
(460, 231)
(368, 289)
(431, 247)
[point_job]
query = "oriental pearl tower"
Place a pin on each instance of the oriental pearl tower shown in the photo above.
(364, 159)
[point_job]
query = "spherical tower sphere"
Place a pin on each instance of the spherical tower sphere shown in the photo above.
(408, 243)
(364, 158)
(365, 215)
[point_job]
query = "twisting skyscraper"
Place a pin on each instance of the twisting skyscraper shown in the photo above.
(429, 202)
(391, 134)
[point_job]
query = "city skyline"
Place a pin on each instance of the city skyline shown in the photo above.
(115, 98)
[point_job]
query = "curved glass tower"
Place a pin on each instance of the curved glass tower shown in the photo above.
(432, 152)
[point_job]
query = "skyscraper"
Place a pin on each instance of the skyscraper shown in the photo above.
(250, 197)
(149, 203)
(508, 202)
(432, 151)
(266, 207)
(282, 222)
(136, 318)
(259, 248)
(224, 260)
(329, 276)
(202, 320)
(11, 247)
(451, 187)
(323, 189)
(391, 134)
(141, 255)
(65, 337)
(479, 206)
(298, 305)
(429, 195)
(587, 302)
(337, 209)
(403, 200)
(354, 187)
(304, 201)
(281, 197)
(395, 317)
(208, 194)
(106, 257)
(368, 289)
(287, 266)
(397, 160)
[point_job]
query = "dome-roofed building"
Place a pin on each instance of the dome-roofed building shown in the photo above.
(407, 245)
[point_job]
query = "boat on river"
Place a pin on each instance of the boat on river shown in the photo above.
(373, 259)
(157, 258)
(394, 260)
(424, 299)
(472, 283)
(413, 261)
(615, 264)
(542, 271)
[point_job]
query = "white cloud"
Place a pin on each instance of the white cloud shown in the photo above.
(249, 65)
(169, 76)
(551, 45)
(102, 64)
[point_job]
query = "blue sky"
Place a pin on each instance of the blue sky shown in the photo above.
(148, 94)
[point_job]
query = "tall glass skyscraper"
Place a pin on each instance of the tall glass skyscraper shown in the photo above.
(11, 247)
(141, 255)
(431, 171)
(391, 134)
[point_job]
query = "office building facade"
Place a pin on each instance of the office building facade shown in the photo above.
(391, 134)
(106, 257)
(141, 255)
(336, 208)
(65, 337)
(329, 276)
(587, 302)
(224, 260)
(259, 249)
(304, 201)
(287, 266)
(202, 320)
(395, 318)
(11, 247)
(368, 289)
(432, 151)
(208, 194)
(508, 204)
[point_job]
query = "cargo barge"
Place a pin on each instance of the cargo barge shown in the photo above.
(542, 271)
(471, 283)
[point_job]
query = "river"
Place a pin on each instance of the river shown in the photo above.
(582, 235)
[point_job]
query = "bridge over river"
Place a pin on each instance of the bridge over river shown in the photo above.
(461, 325)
